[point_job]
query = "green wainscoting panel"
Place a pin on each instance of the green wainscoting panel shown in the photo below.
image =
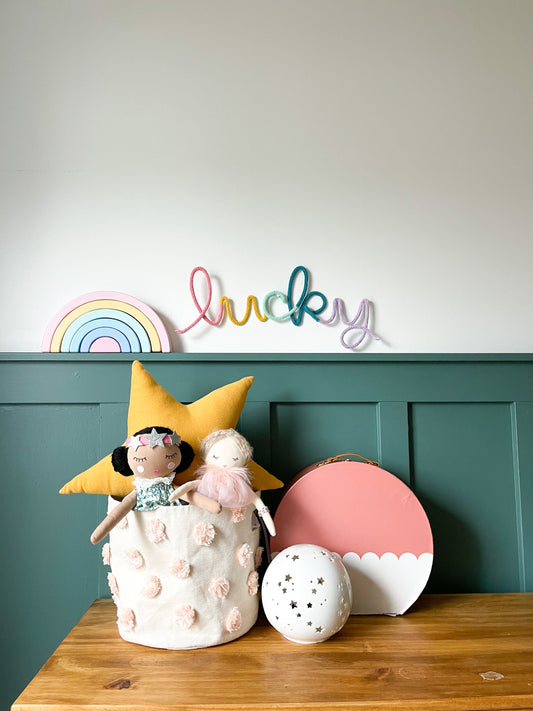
(457, 428)
(49, 573)
(522, 419)
(254, 424)
(393, 439)
(463, 473)
(311, 432)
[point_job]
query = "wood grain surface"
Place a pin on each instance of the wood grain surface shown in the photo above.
(458, 652)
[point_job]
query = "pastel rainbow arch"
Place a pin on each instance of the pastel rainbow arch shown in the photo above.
(106, 322)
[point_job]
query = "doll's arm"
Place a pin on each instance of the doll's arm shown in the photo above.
(179, 491)
(114, 517)
(264, 513)
(188, 493)
(204, 502)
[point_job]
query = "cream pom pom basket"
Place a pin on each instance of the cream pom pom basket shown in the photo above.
(182, 577)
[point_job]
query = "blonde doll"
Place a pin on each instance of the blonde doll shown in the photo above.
(224, 476)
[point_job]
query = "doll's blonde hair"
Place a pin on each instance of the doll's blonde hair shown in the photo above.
(244, 446)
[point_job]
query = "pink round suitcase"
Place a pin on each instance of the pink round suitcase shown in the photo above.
(371, 519)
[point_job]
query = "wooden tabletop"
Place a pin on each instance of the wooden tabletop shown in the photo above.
(448, 652)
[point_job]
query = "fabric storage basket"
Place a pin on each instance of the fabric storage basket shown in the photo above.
(182, 577)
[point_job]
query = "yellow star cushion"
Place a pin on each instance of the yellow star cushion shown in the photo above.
(151, 405)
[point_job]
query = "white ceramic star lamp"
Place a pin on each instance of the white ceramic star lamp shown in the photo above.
(306, 593)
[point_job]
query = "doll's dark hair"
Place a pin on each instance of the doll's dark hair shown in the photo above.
(119, 458)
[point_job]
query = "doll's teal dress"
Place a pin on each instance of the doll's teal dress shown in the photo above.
(153, 493)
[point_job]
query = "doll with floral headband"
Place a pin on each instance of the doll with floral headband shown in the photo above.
(153, 456)
(224, 477)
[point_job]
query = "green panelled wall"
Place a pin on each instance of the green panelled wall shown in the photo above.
(457, 428)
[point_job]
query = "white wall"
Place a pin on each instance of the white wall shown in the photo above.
(386, 145)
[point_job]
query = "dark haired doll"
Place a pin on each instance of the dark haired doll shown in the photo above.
(153, 456)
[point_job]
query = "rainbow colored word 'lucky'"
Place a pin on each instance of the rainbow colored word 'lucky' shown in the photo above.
(297, 305)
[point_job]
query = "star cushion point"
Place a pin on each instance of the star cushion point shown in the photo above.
(149, 403)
